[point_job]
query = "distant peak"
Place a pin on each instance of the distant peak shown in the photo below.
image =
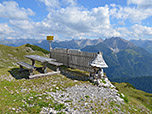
(115, 38)
(117, 43)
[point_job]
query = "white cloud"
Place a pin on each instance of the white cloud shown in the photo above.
(22, 24)
(70, 2)
(131, 13)
(141, 3)
(11, 10)
(18, 24)
(73, 21)
(58, 3)
(5, 29)
(28, 29)
(78, 21)
(124, 32)
(51, 3)
(140, 31)
(136, 11)
(136, 31)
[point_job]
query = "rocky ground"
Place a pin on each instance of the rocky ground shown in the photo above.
(61, 95)
(96, 98)
(86, 99)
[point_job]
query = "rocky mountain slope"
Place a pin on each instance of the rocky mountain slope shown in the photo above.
(117, 44)
(146, 44)
(62, 94)
(123, 58)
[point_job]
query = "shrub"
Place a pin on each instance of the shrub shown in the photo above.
(103, 81)
(129, 85)
(87, 96)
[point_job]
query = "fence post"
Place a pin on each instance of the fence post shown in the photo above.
(68, 58)
(51, 53)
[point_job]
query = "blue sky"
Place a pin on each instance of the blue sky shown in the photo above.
(76, 19)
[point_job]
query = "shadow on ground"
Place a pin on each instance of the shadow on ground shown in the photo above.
(75, 75)
(72, 74)
(17, 73)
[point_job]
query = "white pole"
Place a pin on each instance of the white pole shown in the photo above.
(50, 45)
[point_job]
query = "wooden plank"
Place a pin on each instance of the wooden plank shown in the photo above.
(28, 66)
(74, 58)
(55, 63)
(39, 58)
(42, 75)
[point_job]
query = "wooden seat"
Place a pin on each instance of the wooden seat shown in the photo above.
(55, 63)
(28, 66)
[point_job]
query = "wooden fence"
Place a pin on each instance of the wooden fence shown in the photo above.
(73, 58)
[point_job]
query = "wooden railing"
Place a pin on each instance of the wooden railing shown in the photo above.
(73, 58)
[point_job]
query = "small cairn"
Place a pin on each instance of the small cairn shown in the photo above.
(98, 76)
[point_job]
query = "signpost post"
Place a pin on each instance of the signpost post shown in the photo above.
(50, 39)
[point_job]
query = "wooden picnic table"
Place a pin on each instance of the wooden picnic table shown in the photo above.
(39, 58)
(43, 60)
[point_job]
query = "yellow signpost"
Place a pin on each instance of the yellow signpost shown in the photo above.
(50, 37)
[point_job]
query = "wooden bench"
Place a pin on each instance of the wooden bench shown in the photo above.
(28, 66)
(57, 64)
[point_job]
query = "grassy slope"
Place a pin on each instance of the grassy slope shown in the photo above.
(142, 82)
(136, 97)
(10, 55)
(15, 94)
(20, 95)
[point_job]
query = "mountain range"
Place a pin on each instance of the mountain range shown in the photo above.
(123, 58)
(18, 42)
(79, 44)
(71, 44)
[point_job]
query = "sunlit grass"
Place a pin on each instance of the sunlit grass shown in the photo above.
(135, 97)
